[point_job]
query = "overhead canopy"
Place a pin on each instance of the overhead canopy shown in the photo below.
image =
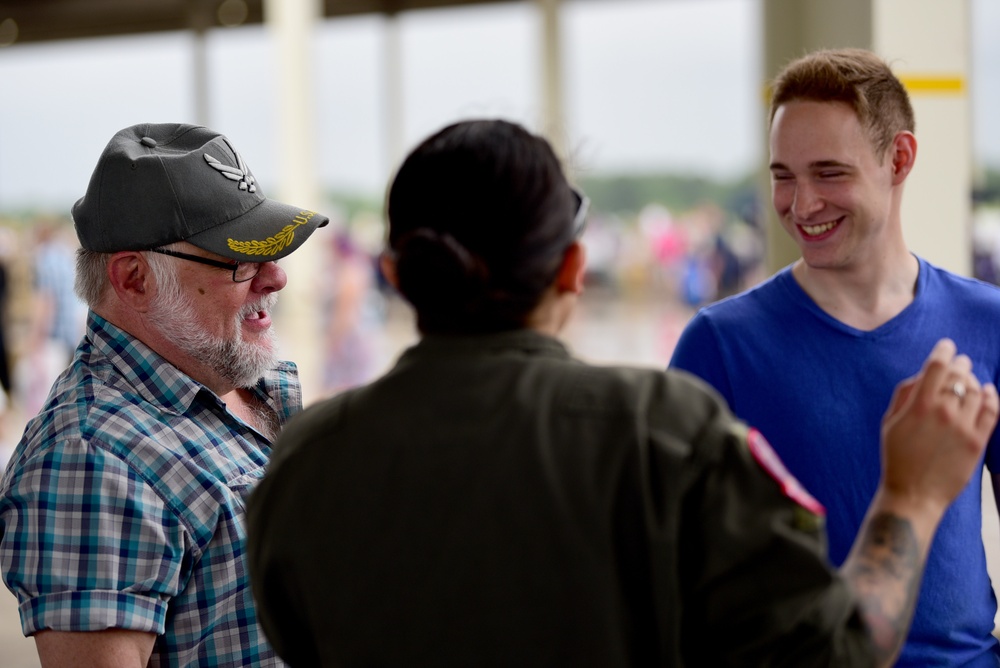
(26, 21)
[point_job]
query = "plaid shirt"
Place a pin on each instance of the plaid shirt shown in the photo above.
(123, 505)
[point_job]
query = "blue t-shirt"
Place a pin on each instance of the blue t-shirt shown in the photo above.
(818, 389)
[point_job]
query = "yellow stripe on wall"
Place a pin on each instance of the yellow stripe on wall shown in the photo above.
(915, 85)
(933, 85)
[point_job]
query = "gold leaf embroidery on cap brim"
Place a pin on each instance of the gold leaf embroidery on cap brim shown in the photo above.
(271, 245)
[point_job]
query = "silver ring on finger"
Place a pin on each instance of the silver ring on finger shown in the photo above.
(958, 389)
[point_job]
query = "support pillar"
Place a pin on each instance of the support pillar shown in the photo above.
(394, 106)
(553, 121)
(201, 21)
(291, 24)
(930, 52)
(200, 76)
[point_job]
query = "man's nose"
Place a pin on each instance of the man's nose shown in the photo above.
(271, 278)
(805, 201)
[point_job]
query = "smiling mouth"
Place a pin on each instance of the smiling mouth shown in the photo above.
(254, 315)
(816, 230)
(259, 310)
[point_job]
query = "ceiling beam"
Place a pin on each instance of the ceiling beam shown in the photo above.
(52, 20)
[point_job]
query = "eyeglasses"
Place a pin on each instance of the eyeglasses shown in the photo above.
(580, 219)
(242, 271)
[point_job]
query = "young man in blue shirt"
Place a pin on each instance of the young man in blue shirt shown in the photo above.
(810, 357)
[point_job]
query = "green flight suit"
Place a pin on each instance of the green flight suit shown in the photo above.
(492, 501)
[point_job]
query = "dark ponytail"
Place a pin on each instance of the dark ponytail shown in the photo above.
(480, 215)
(438, 273)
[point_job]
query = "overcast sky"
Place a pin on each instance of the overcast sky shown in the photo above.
(649, 84)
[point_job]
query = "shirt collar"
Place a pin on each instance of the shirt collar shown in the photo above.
(160, 382)
(527, 341)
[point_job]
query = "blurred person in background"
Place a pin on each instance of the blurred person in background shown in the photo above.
(7, 245)
(351, 313)
(57, 317)
(122, 509)
(492, 501)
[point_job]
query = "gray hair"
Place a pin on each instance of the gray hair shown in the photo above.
(91, 283)
(91, 276)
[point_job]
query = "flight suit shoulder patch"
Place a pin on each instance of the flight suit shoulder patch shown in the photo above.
(768, 460)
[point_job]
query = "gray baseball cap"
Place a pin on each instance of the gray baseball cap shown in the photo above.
(157, 183)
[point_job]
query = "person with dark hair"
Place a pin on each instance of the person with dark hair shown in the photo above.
(122, 510)
(492, 501)
(811, 355)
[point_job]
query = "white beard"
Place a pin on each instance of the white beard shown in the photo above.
(240, 362)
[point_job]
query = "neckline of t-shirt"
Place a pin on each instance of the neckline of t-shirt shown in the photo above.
(901, 319)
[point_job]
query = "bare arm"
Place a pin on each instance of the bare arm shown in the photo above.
(114, 648)
(932, 443)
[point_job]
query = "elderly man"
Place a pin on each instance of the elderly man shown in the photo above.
(122, 510)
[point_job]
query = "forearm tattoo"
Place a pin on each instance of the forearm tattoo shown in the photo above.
(886, 578)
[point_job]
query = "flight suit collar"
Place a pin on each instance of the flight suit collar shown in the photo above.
(526, 341)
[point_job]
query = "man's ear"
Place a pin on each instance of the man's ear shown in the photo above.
(903, 154)
(573, 269)
(388, 267)
(131, 279)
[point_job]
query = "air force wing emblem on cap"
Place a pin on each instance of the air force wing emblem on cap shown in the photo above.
(240, 173)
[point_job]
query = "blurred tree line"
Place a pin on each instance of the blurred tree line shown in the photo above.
(987, 189)
(620, 195)
(626, 195)
(618, 199)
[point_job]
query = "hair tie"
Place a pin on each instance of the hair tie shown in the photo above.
(472, 266)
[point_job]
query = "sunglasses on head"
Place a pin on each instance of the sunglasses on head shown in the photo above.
(580, 219)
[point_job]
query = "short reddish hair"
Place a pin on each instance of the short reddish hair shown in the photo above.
(855, 77)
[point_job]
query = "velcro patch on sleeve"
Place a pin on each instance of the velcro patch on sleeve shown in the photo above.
(768, 459)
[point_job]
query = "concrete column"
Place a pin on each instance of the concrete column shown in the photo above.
(927, 44)
(201, 20)
(291, 24)
(553, 121)
(394, 125)
(200, 77)
(929, 51)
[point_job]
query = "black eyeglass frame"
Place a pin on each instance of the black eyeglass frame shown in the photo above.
(230, 266)
(580, 218)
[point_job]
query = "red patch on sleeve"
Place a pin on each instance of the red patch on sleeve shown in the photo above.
(768, 459)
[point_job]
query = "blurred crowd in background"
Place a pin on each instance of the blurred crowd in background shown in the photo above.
(41, 318)
(649, 271)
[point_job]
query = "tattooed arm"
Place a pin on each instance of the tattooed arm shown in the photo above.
(932, 442)
(884, 570)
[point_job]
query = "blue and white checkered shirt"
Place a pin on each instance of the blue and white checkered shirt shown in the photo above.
(123, 505)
